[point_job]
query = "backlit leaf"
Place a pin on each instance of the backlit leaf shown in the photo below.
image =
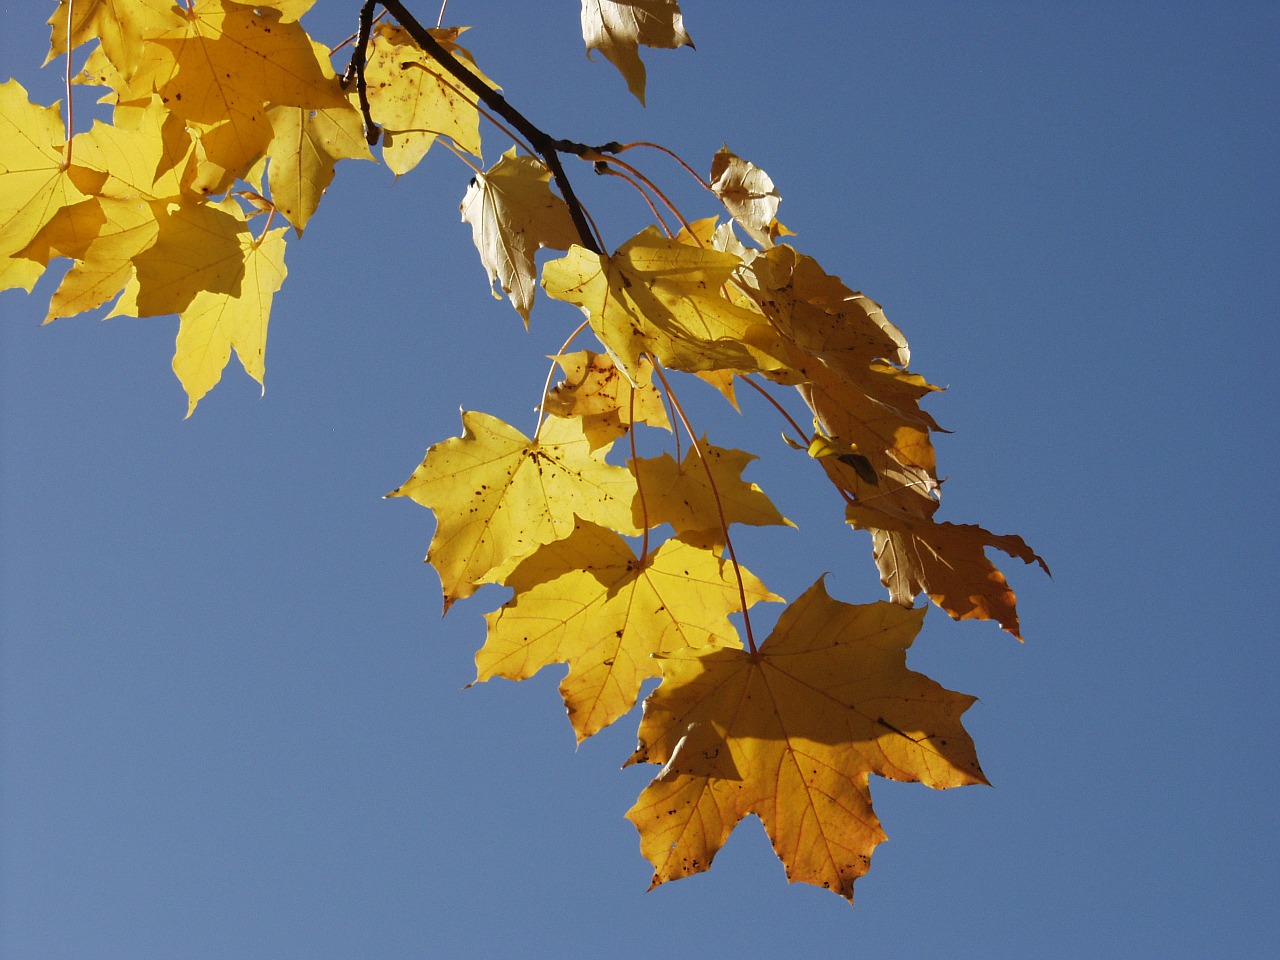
(791, 735)
(588, 601)
(215, 323)
(617, 28)
(513, 213)
(415, 100)
(663, 297)
(947, 561)
(498, 496)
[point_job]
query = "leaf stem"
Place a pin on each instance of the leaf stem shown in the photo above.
(715, 493)
(71, 107)
(619, 148)
(778, 406)
(460, 154)
(651, 185)
(635, 460)
(606, 171)
(551, 372)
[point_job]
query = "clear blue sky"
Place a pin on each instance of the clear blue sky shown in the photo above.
(233, 719)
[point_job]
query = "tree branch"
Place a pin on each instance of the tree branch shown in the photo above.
(549, 148)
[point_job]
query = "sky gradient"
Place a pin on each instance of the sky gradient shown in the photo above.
(234, 722)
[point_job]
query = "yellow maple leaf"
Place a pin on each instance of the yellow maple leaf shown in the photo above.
(122, 26)
(681, 494)
(498, 496)
(222, 67)
(598, 393)
(747, 192)
(660, 296)
(103, 235)
(821, 316)
(617, 28)
(881, 418)
(307, 144)
(513, 214)
(215, 323)
(589, 602)
(947, 561)
(791, 735)
(35, 183)
(199, 248)
(415, 100)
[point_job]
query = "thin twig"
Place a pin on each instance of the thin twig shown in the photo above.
(355, 71)
(544, 145)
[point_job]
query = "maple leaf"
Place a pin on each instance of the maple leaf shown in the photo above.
(821, 316)
(215, 323)
(589, 602)
(945, 560)
(222, 66)
(498, 496)
(681, 494)
(661, 296)
(102, 235)
(791, 734)
(199, 248)
(34, 181)
(617, 28)
(881, 419)
(747, 192)
(415, 100)
(306, 146)
(598, 393)
(513, 213)
(122, 26)
(105, 233)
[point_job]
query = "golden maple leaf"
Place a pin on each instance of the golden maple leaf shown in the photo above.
(946, 560)
(305, 148)
(683, 496)
(661, 296)
(791, 734)
(35, 183)
(821, 316)
(415, 100)
(617, 28)
(221, 68)
(122, 27)
(498, 496)
(588, 601)
(513, 214)
(597, 392)
(215, 323)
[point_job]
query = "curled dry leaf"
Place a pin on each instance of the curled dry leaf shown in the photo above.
(747, 193)
(617, 28)
(513, 213)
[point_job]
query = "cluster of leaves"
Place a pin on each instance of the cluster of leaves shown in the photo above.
(222, 112)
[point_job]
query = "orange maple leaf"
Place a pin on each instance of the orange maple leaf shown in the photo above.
(791, 734)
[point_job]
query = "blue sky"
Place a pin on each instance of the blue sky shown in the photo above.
(233, 718)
